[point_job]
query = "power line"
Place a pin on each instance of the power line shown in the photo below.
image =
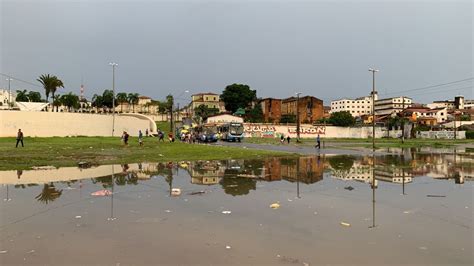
(432, 86)
(24, 81)
(444, 90)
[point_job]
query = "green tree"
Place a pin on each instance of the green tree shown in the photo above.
(238, 95)
(70, 100)
(133, 99)
(21, 96)
(34, 96)
(107, 98)
(97, 101)
(255, 115)
(121, 99)
(342, 119)
(204, 112)
(50, 85)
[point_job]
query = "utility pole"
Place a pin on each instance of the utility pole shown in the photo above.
(298, 116)
(373, 106)
(113, 96)
(9, 94)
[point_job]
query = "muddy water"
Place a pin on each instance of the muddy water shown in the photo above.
(411, 208)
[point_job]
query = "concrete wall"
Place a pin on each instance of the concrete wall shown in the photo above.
(47, 124)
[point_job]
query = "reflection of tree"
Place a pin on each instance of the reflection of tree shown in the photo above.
(23, 186)
(49, 194)
(236, 186)
(342, 162)
(254, 166)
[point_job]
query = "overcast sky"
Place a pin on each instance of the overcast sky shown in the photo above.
(319, 48)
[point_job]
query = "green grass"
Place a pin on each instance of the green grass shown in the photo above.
(163, 126)
(69, 151)
(367, 143)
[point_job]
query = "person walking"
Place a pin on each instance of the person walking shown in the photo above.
(125, 138)
(19, 138)
(288, 139)
(282, 139)
(140, 138)
(318, 141)
(146, 133)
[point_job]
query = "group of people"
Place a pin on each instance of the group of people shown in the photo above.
(288, 139)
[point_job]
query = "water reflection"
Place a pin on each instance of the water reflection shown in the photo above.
(240, 177)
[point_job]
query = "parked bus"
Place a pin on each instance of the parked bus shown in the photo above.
(208, 133)
(232, 131)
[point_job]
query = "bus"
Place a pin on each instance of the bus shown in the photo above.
(232, 131)
(207, 133)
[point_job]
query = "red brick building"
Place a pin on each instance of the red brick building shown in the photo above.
(271, 110)
(310, 108)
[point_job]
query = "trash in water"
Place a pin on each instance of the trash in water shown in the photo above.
(103, 192)
(275, 206)
(3, 251)
(167, 211)
(227, 247)
(290, 200)
(423, 248)
(436, 196)
(226, 212)
(197, 192)
(78, 217)
(31, 251)
(345, 224)
(349, 188)
(175, 192)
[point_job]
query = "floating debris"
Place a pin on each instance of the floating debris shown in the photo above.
(102, 193)
(345, 224)
(436, 196)
(349, 188)
(275, 205)
(226, 212)
(227, 247)
(78, 217)
(3, 251)
(175, 192)
(197, 192)
(168, 211)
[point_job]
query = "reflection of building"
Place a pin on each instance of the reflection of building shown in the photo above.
(206, 173)
(307, 170)
(358, 172)
(394, 175)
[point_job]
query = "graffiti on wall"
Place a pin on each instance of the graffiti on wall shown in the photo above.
(272, 131)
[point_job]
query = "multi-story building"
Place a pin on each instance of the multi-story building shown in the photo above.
(391, 106)
(209, 99)
(310, 108)
(357, 107)
(271, 110)
(458, 103)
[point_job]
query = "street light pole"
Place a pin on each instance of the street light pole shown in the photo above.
(113, 96)
(9, 94)
(298, 116)
(373, 106)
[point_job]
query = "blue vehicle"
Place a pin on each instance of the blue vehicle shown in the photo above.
(208, 133)
(232, 131)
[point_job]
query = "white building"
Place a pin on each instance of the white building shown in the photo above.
(458, 103)
(5, 98)
(441, 113)
(391, 106)
(357, 107)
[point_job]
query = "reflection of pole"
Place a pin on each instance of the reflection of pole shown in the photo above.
(373, 192)
(111, 218)
(403, 172)
(298, 178)
(8, 196)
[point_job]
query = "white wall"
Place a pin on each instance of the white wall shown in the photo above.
(48, 124)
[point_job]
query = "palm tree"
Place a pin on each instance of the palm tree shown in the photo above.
(50, 85)
(133, 99)
(121, 99)
(21, 96)
(49, 193)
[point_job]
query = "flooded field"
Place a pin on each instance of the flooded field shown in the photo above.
(413, 207)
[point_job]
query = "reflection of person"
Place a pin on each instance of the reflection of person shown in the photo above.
(19, 173)
(288, 139)
(19, 138)
(282, 139)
